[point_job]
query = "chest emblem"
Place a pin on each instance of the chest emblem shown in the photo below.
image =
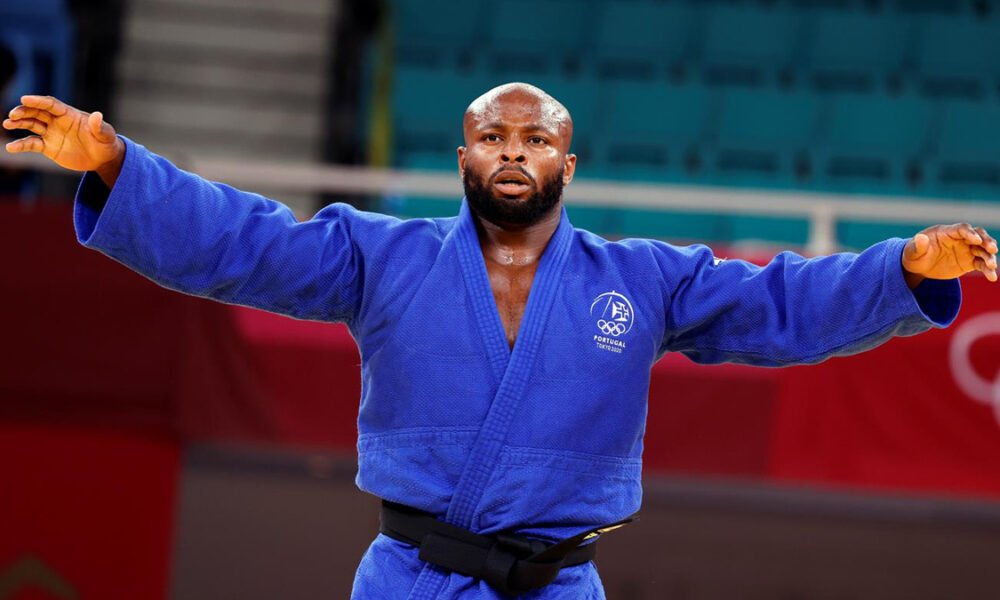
(613, 316)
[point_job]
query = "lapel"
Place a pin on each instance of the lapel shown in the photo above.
(511, 367)
(477, 282)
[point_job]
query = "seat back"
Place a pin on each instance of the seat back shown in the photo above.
(640, 38)
(856, 51)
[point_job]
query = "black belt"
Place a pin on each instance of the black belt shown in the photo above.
(510, 563)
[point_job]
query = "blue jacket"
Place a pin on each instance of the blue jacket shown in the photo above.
(545, 440)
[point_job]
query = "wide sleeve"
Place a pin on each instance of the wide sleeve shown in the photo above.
(211, 240)
(795, 310)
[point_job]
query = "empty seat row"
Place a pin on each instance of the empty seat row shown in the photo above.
(739, 44)
(765, 136)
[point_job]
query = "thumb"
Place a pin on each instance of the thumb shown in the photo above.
(96, 124)
(918, 246)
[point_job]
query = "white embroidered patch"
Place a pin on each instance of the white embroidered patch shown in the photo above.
(614, 316)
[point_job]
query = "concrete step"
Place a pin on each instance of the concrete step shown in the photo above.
(312, 8)
(155, 52)
(215, 39)
(232, 84)
(273, 17)
(227, 79)
(184, 141)
(216, 117)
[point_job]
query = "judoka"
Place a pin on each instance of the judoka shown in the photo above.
(505, 354)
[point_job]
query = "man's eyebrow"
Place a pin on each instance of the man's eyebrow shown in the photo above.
(529, 127)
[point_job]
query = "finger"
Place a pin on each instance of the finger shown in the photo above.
(32, 143)
(23, 112)
(52, 105)
(99, 128)
(989, 258)
(981, 266)
(989, 242)
(969, 234)
(32, 125)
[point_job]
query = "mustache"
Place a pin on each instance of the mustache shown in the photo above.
(513, 168)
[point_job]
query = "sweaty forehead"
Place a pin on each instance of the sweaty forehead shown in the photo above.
(518, 102)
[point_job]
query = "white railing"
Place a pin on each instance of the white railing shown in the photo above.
(822, 210)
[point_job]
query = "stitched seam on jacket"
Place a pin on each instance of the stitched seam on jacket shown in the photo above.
(416, 439)
(511, 451)
(603, 467)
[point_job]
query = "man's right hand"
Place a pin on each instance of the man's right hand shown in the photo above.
(69, 137)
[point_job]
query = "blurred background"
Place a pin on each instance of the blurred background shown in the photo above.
(154, 445)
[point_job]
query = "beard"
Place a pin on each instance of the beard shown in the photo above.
(508, 211)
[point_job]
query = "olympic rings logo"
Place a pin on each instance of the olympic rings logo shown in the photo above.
(609, 328)
(613, 313)
(969, 381)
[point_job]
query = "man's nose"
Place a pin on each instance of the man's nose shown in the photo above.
(513, 152)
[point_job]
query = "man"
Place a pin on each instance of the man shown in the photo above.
(505, 354)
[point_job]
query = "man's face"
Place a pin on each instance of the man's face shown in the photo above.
(515, 163)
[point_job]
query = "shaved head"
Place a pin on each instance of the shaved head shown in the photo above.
(551, 114)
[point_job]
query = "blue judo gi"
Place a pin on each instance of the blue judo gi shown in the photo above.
(545, 440)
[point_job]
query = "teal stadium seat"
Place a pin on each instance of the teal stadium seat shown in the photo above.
(427, 109)
(536, 36)
(750, 45)
(930, 7)
(763, 136)
(873, 142)
(967, 160)
(651, 131)
(959, 57)
(762, 140)
(643, 39)
(435, 32)
(830, 4)
(856, 51)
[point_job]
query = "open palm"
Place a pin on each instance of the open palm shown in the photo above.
(71, 138)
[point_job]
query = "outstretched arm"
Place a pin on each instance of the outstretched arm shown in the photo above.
(197, 236)
(796, 310)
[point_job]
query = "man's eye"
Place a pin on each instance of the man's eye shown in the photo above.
(536, 140)
(492, 137)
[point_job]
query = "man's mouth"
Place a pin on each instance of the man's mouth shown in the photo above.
(511, 183)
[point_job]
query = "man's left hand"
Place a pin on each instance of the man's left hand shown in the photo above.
(949, 251)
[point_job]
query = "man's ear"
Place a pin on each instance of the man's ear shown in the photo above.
(569, 169)
(461, 161)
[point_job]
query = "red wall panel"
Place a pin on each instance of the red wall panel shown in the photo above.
(86, 510)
